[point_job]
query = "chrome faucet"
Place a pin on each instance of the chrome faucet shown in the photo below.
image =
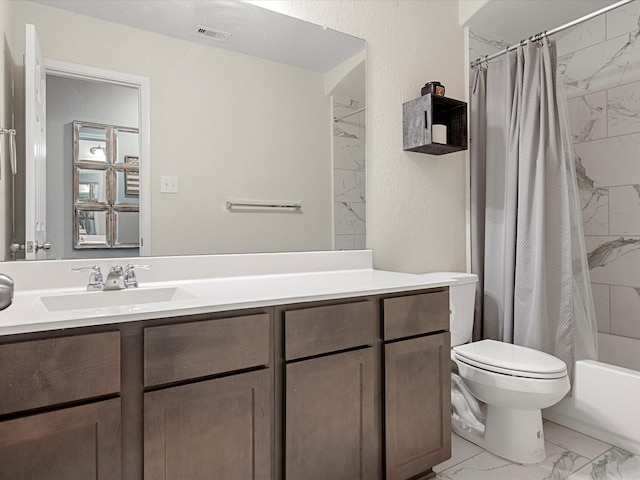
(115, 279)
(130, 280)
(118, 278)
(95, 279)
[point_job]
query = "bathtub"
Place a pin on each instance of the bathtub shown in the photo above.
(604, 405)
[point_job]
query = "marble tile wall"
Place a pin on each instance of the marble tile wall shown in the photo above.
(349, 175)
(600, 63)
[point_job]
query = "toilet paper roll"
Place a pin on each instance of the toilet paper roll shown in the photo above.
(438, 133)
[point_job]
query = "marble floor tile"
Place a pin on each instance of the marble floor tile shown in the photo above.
(615, 464)
(461, 450)
(560, 463)
(442, 476)
(583, 445)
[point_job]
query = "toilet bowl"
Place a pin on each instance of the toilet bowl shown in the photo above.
(500, 389)
(515, 383)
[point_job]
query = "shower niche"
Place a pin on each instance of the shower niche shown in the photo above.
(420, 114)
(106, 183)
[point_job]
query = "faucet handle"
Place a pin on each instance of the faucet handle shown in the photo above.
(130, 279)
(131, 266)
(96, 281)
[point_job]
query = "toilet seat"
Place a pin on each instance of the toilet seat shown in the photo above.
(509, 359)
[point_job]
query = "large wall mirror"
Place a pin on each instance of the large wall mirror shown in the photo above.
(243, 107)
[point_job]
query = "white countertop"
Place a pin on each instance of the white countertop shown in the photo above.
(205, 295)
(29, 314)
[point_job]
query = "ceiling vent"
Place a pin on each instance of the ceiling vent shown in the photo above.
(213, 34)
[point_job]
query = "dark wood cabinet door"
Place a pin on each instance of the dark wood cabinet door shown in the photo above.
(417, 405)
(217, 429)
(75, 443)
(329, 425)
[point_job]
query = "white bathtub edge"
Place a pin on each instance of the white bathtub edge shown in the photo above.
(603, 405)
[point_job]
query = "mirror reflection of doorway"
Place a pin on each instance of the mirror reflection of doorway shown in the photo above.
(72, 98)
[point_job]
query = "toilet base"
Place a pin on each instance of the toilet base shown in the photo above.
(511, 433)
(515, 434)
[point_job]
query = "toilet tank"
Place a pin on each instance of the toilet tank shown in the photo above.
(462, 299)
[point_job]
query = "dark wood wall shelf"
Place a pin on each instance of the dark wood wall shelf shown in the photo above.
(421, 113)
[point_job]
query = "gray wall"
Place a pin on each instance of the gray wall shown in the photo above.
(71, 99)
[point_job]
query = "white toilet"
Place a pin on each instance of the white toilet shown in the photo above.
(501, 388)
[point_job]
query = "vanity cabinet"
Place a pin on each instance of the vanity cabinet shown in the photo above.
(218, 423)
(352, 388)
(417, 384)
(53, 423)
(330, 429)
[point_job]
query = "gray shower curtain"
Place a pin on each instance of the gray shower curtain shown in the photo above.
(526, 224)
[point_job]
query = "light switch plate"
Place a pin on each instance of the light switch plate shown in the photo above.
(169, 184)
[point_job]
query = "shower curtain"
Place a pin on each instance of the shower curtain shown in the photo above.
(527, 243)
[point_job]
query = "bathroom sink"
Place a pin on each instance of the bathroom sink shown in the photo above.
(113, 298)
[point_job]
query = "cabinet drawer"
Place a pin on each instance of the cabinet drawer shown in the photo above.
(52, 371)
(415, 314)
(189, 350)
(318, 330)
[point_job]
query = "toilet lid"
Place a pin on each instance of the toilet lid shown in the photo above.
(510, 359)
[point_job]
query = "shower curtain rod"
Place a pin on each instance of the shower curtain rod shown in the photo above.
(546, 33)
(337, 119)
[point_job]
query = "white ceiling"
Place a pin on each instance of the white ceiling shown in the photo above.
(254, 31)
(515, 20)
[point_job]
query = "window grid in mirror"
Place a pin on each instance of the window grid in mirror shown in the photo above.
(106, 189)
